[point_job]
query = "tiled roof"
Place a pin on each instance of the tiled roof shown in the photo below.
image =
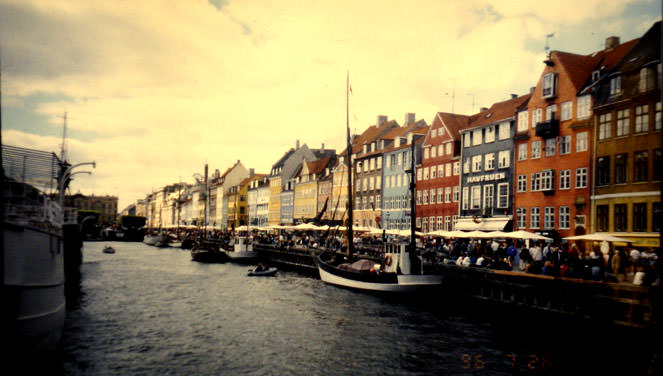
(455, 122)
(579, 68)
(499, 111)
(318, 166)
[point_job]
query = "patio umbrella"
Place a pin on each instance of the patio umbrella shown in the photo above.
(524, 235)
(305, 226)
(599, 237)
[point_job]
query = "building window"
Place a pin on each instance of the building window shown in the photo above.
(640, 217)
(504, 158)
(640, 166)
(488, 196)
(433, 152)
(549, 217)
(425, 197)
(584, 107)
(424, 224)
(448, 148)
(622, 122)
(456, 168)
(447, 223)
(581, 142)
(551, 112)
(604, 126)
(476, 197)
(418, 197)
(521, 215)
(503, 195)
(564, 217)
(656, 217)
(426, 174)
(641, 118)
(620, 217)
(440, 171)
(523, 121)
(490, 134)
(536, 149)
(603, 171)
(616, 85)
(439, 195)
(433, 172)
(466, 166)
(535, 218)
(602, 218)
(426, 155)
(432, 196)
(476, 137)
(565, 179)
(504, 130)
(550, 147)
(658, 165)
(456, 193)
(549, 85)
(522, 152)
(536, 183)
(476, 163)
(522, 183)
(490, 161)
(467, 142)
(447, 194)
(657, 117)
(647, 77)
(581, 177)
(620, 168)
(536, 117)
(565, 145)
(466, 198)
(546, 180)
(567, 111)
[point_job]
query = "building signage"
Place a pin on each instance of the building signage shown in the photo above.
(486, 177)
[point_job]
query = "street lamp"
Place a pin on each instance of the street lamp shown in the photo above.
(67, 174)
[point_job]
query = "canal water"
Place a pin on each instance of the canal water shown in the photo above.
(149, 311)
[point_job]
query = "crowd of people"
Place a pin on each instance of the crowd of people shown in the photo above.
(601, 263)
(554, 258)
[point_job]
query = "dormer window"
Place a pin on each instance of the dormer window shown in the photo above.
(616, 85)
(365, 148)
(549, 86)
(595, 75)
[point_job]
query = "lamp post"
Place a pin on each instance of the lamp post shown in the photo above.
(67, 174)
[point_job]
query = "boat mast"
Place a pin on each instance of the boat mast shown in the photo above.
(350, 250)
(413, 244)
(64, 137)
(205, 211)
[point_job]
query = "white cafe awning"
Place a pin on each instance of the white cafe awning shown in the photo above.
(482, 224)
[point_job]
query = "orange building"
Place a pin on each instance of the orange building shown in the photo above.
(553, 143)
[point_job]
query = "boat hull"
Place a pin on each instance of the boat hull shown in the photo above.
(208, 256)
(382, 282)
(33, 287)
(243, 256)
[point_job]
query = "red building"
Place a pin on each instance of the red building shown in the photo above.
(553, 142)
(438, 173)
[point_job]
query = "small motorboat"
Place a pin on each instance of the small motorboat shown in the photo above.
(263, 273)
(108, 249)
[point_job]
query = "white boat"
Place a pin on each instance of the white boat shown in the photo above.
(150, 239)
(270, 272)
(401, 270)
(242, 250)
(395, 273)
(33, 276)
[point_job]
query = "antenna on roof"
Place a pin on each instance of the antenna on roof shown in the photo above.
(547, 47)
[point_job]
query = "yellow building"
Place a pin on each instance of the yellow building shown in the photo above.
(274, 214)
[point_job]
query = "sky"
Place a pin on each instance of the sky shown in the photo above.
(153, 90)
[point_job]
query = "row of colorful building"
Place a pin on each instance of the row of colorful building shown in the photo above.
(579, 153)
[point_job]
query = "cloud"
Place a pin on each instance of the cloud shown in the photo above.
(164, 89)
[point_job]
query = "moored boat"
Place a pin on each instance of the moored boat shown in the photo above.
(33, 273)
(263, 273)
(108, 249)
(208, 252)
(242, 250)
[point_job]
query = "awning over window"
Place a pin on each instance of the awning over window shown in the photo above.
(482, 224)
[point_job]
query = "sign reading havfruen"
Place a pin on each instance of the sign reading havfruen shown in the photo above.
(486, 177)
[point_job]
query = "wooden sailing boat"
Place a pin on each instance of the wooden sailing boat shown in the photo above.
(401, 269)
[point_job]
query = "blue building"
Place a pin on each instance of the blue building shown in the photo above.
(395, 176)
(487, 157)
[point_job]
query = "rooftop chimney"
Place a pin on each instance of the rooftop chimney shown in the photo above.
(252, 171)
(531, 90)
(483, 109)
(409, 118)
(322, 147)
(297, 145)
(381, 120)
(514, 96)
(611, 42)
